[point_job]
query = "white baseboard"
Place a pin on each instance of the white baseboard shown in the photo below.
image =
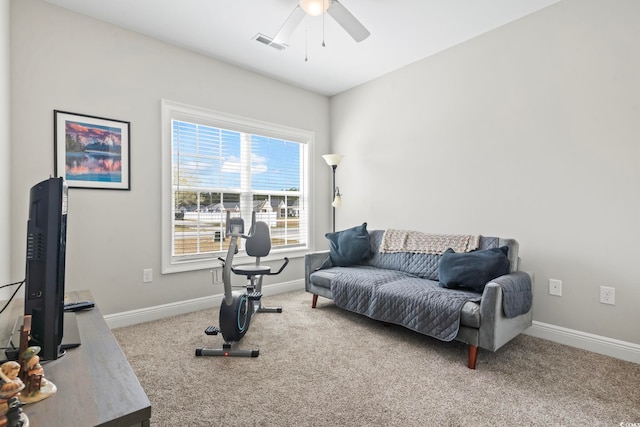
(586, 341)
(132, 317)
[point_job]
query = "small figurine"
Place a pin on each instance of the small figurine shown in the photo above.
(11, 369)
(10, 387)
(15, 417)
(37, 386)
(10, 384)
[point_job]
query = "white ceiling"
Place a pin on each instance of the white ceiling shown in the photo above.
(402, 32)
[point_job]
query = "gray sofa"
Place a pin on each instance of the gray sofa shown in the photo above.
(403, 288)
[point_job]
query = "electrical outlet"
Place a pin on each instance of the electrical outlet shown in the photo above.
(216, 276)
(555, 287)
(607, 295)
(147, 275)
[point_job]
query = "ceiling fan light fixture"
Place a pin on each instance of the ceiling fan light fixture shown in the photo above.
(315, 7)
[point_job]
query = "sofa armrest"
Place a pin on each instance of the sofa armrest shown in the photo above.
(312, 262)
(517, 295)
(496, 329)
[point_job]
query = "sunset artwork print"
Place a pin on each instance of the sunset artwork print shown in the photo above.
(94, 153)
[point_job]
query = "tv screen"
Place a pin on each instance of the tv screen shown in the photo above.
(45, 265)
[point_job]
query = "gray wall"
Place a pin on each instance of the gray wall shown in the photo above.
(530, 131)
(5, 150)
(66, 61)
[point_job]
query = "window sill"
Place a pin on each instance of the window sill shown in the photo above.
(241, 258)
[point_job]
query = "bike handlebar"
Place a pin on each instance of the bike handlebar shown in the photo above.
(286, 261)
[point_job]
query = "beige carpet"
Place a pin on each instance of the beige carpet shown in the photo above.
(329, 367)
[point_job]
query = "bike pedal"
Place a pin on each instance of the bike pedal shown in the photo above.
(254, 296)
(212, 330)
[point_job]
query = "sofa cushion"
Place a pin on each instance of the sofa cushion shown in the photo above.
(322, 278)
(426, 265)
(348, 247)
(470, 314)
(472, 270)
(421, 265)
(415, 303)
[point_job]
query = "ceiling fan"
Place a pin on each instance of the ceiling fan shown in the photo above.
(316, 8)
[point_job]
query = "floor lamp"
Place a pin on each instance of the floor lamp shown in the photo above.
(333, 160)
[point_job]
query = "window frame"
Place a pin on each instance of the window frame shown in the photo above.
(171, 110)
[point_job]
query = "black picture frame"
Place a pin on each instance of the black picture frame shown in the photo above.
(92, 152)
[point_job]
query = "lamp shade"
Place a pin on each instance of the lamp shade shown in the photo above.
(315, 7)
(332, 159)
(337, 201)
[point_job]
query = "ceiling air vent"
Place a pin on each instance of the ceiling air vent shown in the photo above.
(269, 42)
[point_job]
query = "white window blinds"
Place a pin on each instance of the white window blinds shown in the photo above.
(217, 171)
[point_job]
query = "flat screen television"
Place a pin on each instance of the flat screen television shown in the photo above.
(45, 265)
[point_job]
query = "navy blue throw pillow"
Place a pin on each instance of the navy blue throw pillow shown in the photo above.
(472, 270)
(349, 247)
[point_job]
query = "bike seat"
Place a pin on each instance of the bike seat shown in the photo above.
(251, 269)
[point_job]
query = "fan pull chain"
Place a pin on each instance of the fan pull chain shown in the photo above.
(306, 59)
(323, 14)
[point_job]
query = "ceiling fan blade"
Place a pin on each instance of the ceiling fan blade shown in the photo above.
(347, 21)
(286, 31)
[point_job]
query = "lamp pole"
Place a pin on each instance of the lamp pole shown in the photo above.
(336, 201)
(333, 194)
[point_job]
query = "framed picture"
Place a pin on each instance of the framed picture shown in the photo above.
(91, 152)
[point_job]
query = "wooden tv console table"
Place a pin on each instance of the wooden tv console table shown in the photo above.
(96, 385)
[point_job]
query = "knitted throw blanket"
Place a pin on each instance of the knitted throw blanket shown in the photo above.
(394, 241)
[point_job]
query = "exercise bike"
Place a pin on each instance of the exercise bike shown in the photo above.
(239, 307)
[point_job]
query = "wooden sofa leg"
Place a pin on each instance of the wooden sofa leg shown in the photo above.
(473, 356)
(314, 301)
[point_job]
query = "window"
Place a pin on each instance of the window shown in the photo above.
(216, 165)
